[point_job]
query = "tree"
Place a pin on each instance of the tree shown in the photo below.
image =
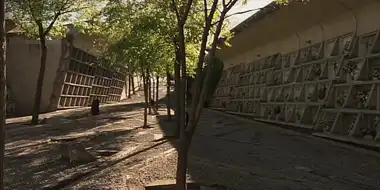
(129, 87)
(157, 92)
(215, 14)
(138, 30)
(182, 10)
(2, 90)
(37, 18)
(168, 87)
(216, 73)
(131, 34)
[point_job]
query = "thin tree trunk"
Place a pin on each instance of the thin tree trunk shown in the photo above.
(197, 110)
(129, 86)
(153, 89)
(3, 91)
(182, 154)
(40, 81)
(182, 165)
(168, 104)
(198, 79)
(177, 80)
(157, 93)
(145, 86)
(187, 133)
(149, 96)
(177, 86)
(133, 83)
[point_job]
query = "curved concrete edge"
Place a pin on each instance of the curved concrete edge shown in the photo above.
(356, 145)
(367, 144)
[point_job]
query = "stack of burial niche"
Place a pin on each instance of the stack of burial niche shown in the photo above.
(85, 82)
(332, 86)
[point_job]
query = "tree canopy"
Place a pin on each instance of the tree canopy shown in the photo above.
(140, 34)
(34, 16)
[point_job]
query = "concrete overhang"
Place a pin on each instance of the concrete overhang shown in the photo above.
(283, 21)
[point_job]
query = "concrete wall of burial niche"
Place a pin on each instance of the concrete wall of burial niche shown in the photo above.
(84, 82)
(327, 79)
(330, 86)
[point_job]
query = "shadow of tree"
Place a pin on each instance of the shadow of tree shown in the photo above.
(32, 159)
(196, 167)
(241, 155)
(77, 113)
(41, 161)
(62, 125)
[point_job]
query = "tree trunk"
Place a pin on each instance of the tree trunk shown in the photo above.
(182, 164)
(40, 81)
(153, 89)
(145, 86)
(3, 91)
(149, 96)
(198, 79)
(177, 80)
(157, 93)
(182, 157)
(187, 133)
(129, 85)
(168, 104)
(197, 110)
(133, 84)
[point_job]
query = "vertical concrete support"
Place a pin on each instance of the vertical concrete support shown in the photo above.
(61, 73)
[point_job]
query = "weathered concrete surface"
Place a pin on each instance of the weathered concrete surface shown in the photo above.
(241, 154)
(299, 23)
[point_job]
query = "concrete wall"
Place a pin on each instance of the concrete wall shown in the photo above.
(86, 43)
(289, 28)
(23, 63)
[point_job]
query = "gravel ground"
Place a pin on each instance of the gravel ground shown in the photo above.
(141, 169)
(33, 162)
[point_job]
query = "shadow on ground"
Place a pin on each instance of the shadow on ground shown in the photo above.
(79, 113)
(32, 158)
(169, 129)
(73, 123)
(228, 153)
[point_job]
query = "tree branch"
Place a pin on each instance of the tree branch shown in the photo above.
(229, 6)
(243, 12)
(32, 11)
(205, 9)
(63, 9)
(201, 57)
(186, 11)
(25, 29)
(51, 23)
(175, 9)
